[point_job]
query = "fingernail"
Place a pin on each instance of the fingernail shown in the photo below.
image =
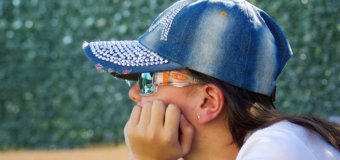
(158, 101)
(172, 105)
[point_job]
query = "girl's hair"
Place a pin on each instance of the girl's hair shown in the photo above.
(248, 111)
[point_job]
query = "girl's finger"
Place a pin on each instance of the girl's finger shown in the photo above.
(172, 118)
(157, 114)
(186, 136)
(135, 115)
(145, 115)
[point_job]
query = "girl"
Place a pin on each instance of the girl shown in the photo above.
(206, 73)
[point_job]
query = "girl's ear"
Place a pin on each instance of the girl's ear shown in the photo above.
(212, 104)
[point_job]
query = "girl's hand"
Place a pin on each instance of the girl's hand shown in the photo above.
(156, 132)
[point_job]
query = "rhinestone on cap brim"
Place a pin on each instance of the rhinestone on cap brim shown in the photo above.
(125, 53)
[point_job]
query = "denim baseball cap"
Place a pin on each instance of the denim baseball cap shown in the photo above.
(231, 40)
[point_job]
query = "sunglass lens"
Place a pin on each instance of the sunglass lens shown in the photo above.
(146, 83)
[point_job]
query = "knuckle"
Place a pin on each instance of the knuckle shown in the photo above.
(152, 134)
(136, 135)
(166, 139)
(130, 133)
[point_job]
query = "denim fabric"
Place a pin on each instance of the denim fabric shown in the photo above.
(231, 40)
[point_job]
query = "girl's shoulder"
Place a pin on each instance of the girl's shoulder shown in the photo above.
(285, 140)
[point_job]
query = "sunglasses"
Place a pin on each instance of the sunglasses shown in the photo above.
(149, 81)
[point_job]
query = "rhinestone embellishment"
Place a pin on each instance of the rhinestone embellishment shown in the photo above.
(166, 20)
(125, 53)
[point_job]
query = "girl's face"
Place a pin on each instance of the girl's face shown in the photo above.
(185, 98)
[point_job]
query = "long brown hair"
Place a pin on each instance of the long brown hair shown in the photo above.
(248, 111)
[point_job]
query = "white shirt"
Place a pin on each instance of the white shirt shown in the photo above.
(286, 141)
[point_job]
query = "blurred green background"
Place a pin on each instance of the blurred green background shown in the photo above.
(51, 96)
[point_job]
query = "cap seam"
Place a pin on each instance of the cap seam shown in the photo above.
(186, 26)
(250, 39)
(189, 22)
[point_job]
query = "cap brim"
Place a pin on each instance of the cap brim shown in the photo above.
(126, 59)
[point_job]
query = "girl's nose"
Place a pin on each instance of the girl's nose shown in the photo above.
(134, 93)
